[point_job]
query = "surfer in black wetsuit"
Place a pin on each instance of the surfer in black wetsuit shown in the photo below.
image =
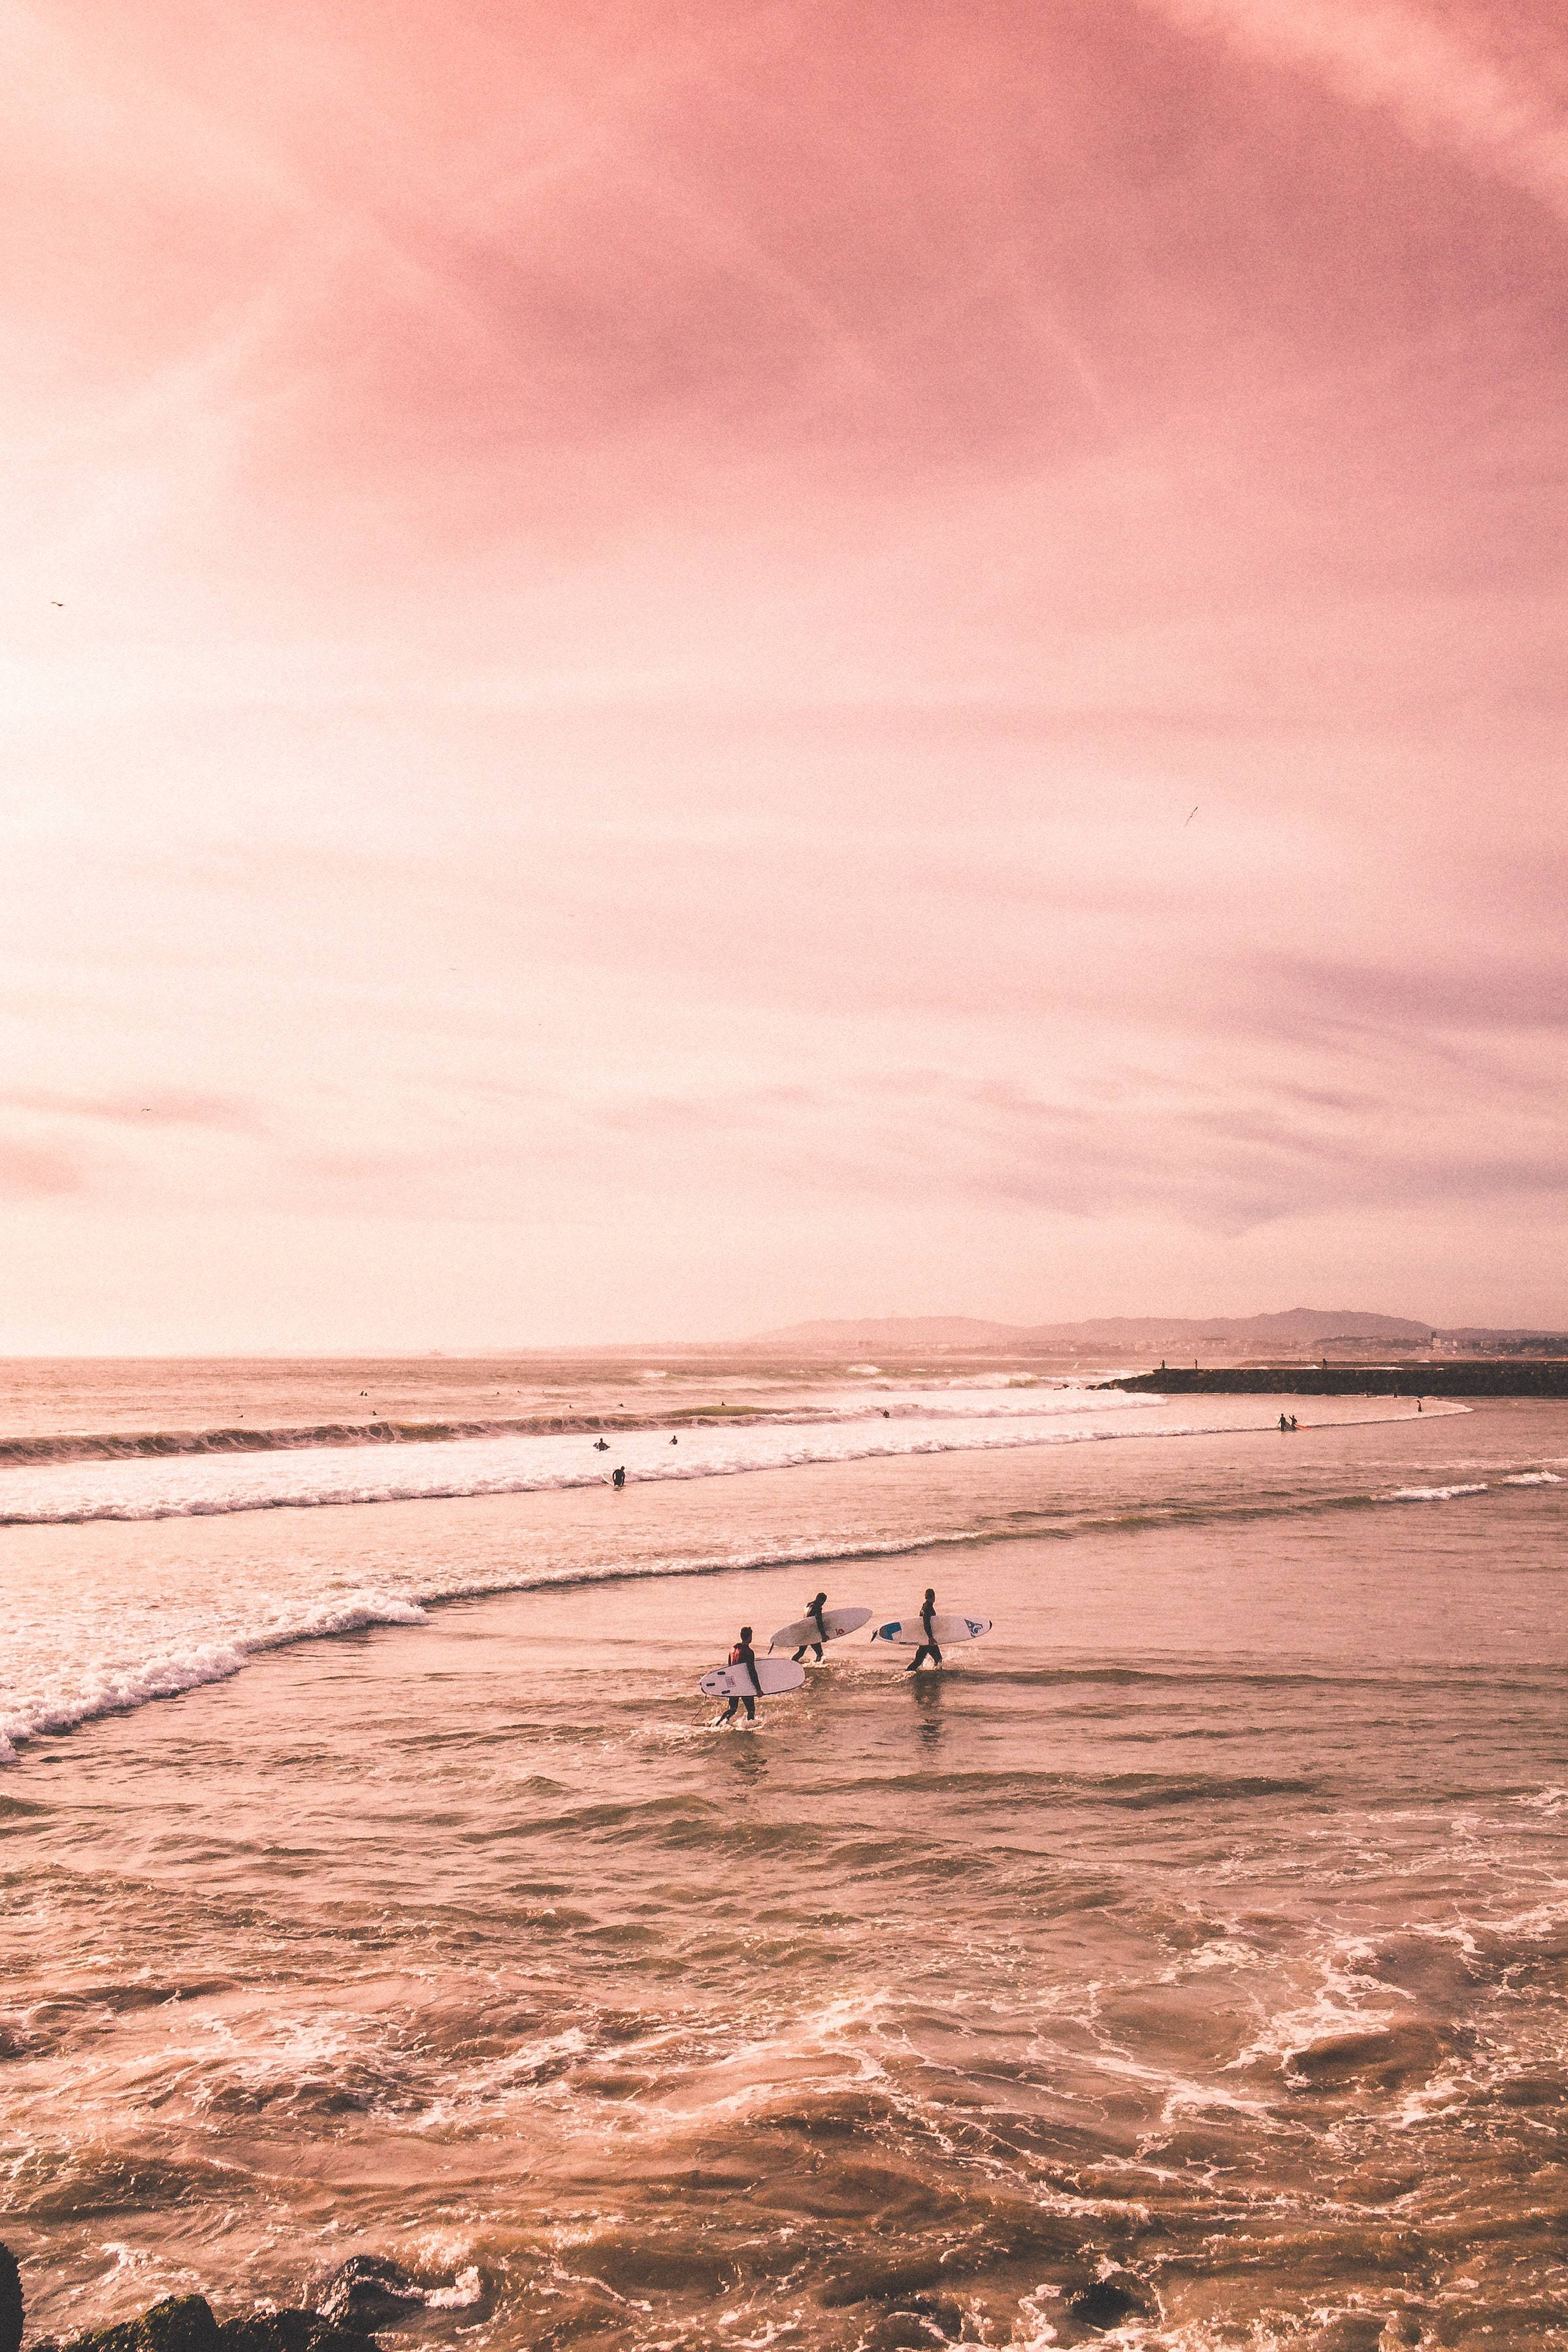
(743, 1655)
(813, 1610)
(618, 1477)
(928, 1648)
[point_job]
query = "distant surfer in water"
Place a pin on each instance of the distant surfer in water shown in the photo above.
(813, 1610)
(743, 1655)
(618, 1477)
(928, 1648)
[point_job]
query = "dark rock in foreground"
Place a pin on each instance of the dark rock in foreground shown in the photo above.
(287, 2331)
(1108, 2302)
(369, 2292)
(10, 2302)
(185, 2323)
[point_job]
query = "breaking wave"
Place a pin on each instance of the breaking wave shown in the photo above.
(197, 1485)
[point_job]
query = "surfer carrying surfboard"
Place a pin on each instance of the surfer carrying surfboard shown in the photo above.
(813, 1610)
(743, 1655)
(928, 1648)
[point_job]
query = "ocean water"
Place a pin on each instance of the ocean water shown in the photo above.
(1186, 1965)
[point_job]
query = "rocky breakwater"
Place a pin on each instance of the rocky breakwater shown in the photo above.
(1511, 1379)
(366, 2295)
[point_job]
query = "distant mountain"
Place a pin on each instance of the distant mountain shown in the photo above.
(1301, 1327)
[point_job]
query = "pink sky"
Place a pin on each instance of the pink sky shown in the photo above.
(645, 594)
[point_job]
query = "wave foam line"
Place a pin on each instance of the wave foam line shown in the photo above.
(172, 1674)
(1435, 1494)
(175, 1672)
(173, 1445)
(81, 1511)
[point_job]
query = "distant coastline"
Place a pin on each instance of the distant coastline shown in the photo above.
(1305, 1331)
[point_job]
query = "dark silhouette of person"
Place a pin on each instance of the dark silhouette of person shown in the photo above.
(601, 1445)
(813, 1610)
(928, 1648)
(743, 1655)
(1283, 1423)
(618, 1477)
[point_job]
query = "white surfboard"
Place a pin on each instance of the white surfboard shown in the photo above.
(837, 1622)
(734, 1682)
(911, 1634)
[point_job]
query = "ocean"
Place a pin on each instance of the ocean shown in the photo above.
(1186, 1965)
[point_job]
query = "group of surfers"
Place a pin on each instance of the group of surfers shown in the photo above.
(743, 1655)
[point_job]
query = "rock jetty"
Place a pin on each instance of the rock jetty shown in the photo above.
(1491, 1378)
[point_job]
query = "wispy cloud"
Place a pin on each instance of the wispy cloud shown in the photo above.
(1468, 93)
(155, 1106)
(36, 1172)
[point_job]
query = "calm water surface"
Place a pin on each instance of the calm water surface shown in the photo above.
(1198, 1942)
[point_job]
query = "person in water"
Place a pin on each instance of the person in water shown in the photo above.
(928, 1648)
(743, 1655)
(1283, 1423)
(813, 1610)
(618, 1477)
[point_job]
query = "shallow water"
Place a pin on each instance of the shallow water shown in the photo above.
(1206, 1926)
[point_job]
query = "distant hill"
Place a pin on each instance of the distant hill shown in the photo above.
(1301, 1327)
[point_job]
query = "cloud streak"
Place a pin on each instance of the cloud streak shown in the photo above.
(1411, 60)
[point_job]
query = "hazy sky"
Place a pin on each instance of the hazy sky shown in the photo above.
(616, 616)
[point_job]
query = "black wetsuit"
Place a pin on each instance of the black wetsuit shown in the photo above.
(743, 1655)
(928, 1648)
(814, 1647)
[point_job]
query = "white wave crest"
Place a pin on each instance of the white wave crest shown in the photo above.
(201, 1486)
(1434, 1494)
(170, 1673)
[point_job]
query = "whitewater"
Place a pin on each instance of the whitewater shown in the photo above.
(1185, 1961)
(134, 1642)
